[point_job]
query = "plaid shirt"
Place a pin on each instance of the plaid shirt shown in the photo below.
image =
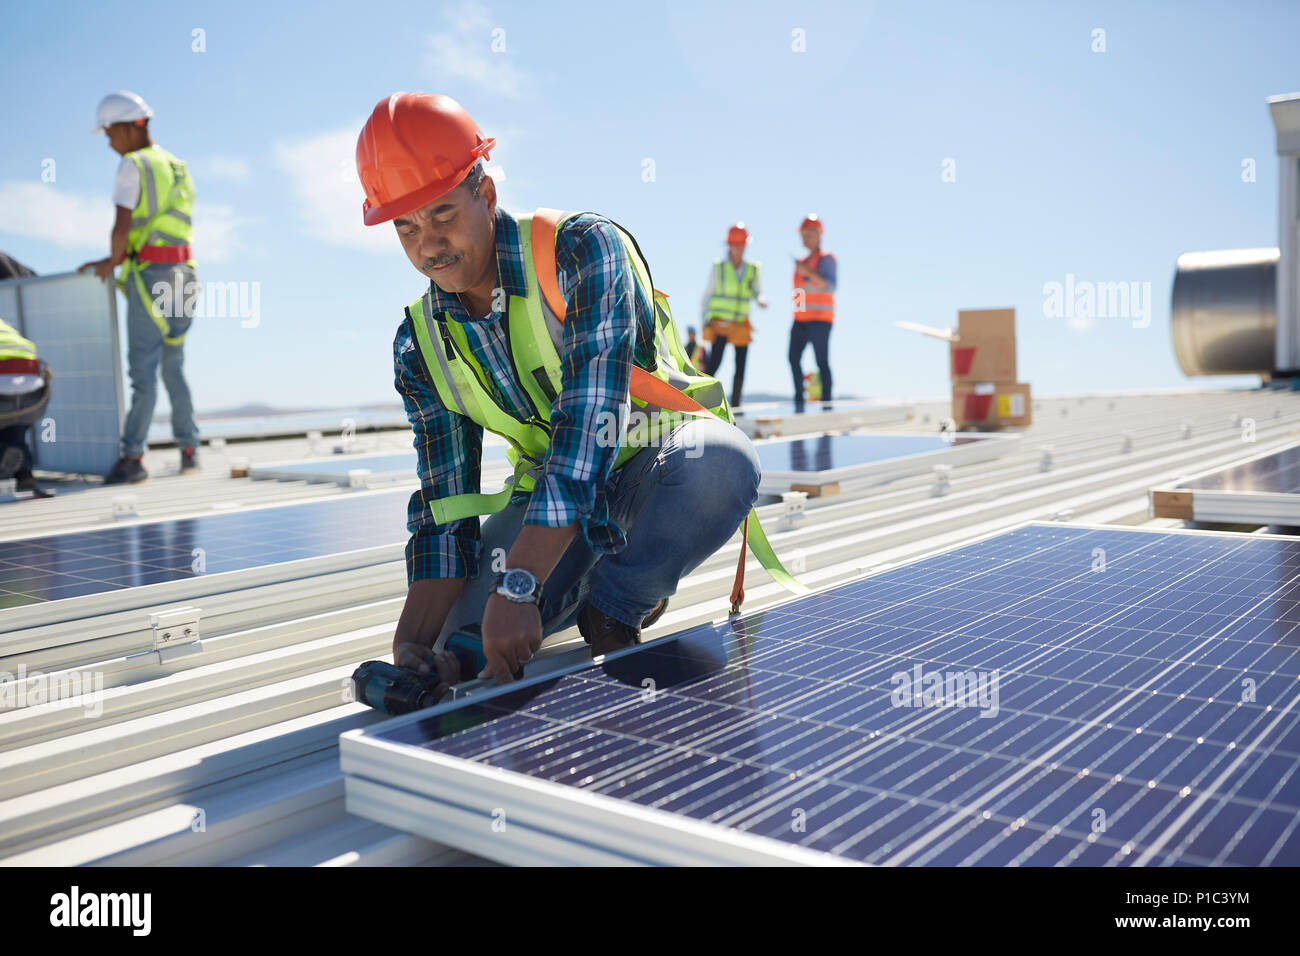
(608, 325)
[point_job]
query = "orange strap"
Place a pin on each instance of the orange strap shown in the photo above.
(738, 585)
(642, 384)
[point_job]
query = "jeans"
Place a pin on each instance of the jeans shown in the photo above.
(819, 334)
(677, 504)
(715, 360)
(15, 436)
(146, 351)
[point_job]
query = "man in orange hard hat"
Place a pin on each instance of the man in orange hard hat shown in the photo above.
(732, 286)
(546, 330)
(814, 309)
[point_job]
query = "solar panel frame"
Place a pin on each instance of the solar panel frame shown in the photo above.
(117, 598)
(417, 790)
(769, 419)
(1195, 497)
(967, 448)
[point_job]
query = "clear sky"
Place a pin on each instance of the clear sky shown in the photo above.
(1065, 161)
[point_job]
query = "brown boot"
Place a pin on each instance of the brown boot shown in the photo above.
(604, 633)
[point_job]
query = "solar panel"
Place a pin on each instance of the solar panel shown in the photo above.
(73, 321)
(74, 564)
(337, 469)
(1264, 489)
(1123, 697)
(823, 460)
(767, 419)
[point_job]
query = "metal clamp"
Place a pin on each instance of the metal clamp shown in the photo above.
(175, 631)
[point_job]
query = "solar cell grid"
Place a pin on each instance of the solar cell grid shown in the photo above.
(1138, 705)
(59, 566)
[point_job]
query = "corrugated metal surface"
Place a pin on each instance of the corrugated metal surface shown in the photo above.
(229, 756)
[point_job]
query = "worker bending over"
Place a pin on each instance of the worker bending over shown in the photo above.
(154, 195)
(547, 330)
(814, 310)
(731, 287)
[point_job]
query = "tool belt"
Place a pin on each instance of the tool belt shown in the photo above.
(737, 333)
(163, 254)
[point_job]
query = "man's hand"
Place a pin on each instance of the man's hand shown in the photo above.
(512, 633)
(103, 268)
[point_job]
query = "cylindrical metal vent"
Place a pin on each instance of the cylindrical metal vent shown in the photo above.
(1224, 311)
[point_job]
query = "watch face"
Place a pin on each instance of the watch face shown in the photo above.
(518, 582)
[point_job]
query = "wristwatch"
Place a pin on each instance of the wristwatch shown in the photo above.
(518, 585)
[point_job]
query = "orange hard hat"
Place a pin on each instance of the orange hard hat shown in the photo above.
(737, 235)
(812, 222)
(414, 148)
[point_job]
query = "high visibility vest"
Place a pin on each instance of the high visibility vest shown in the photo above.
(13, 347)
(162, 214)
(731, 295)
(812, 304)
(534, 328)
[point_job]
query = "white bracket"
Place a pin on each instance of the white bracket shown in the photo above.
(358, 477)
(175, 631)
(792, 505)
(1125, 443)
(1186, 429)
(1045, 458)
(124, 506)
(217, 444)
(942, 480)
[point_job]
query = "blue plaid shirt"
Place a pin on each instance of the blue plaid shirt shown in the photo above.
(609, 324)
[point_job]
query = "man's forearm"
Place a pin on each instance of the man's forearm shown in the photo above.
(539, 548)
(118, 246)
(427, 603)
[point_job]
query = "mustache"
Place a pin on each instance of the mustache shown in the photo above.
(439, 261)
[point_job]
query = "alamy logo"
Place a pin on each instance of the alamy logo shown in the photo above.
(1081, 301)
(102, 909)
(84, 689)
(920, 688)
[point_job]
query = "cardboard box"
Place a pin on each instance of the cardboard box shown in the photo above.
(991, 404)
(985, 349)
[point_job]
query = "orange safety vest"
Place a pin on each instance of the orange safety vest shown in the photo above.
(818, 305)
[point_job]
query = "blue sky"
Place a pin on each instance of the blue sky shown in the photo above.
(1101, 165)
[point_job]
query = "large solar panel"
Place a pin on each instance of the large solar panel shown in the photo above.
(1122, 697)
(767, 419)
(823, 460)
(72, 319)
(1264, 489)
(75, 564)
(380, 468)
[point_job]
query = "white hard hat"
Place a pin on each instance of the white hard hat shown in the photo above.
(122, 106)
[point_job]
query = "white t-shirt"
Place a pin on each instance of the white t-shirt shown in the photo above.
(126, 188)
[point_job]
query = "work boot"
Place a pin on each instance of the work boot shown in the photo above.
(655, 614)
(189, 459)
(10, 462)
(127, 470)
(604, 633)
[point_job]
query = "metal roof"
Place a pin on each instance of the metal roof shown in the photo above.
(230, 755)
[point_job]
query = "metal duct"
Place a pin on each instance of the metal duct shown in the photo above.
(1224, 312)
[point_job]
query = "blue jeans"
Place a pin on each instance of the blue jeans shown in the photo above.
(146, 351)
(677, 504)
(819, 335)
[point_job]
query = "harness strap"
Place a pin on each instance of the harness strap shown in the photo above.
(647, 388)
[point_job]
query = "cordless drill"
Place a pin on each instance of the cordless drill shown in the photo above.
(399, 690)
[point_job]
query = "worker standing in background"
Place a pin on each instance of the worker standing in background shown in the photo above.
(24, 395)
(732, 284)
(814, 309)
(695, 351)
(154, 195)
